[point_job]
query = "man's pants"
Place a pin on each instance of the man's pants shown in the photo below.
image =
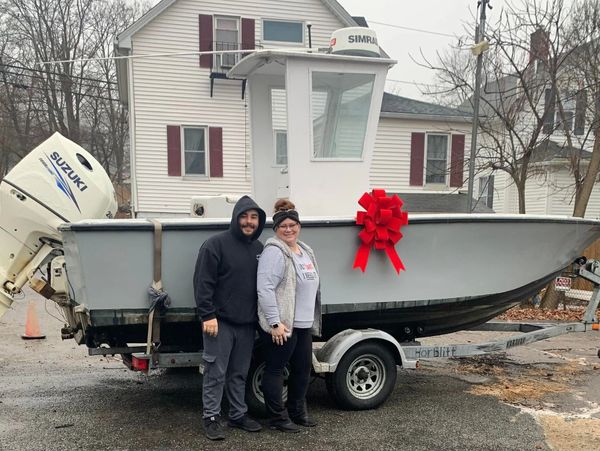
(226, 361)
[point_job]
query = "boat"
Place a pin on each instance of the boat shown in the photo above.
(460, 270)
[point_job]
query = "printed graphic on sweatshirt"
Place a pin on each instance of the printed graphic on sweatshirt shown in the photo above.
(307, 271)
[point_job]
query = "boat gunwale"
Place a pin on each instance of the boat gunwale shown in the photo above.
(107, 225)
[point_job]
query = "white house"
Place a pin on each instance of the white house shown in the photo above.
(550, 187)
(190, 125)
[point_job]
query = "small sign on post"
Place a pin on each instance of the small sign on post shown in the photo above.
(562, 283)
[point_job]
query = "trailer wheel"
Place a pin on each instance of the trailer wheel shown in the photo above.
(254, 394)
(364, 378)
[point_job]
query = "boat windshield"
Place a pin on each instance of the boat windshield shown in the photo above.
(340, 105)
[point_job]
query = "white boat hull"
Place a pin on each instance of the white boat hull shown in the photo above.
(461, 270)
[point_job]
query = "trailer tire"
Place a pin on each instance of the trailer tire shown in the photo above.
(254, 395)
(364, 377)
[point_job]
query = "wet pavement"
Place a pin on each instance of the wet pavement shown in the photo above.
(54, 396)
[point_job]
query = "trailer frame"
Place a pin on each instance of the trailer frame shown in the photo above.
(363, 381)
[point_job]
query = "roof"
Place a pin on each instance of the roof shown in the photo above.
(549, 150)
(440, 203)
(124, 38)
(397, 106)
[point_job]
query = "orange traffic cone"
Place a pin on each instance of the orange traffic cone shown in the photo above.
(32, 325)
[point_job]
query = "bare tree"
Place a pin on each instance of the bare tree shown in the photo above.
(517, 72)
(584, 67)
(56, 74)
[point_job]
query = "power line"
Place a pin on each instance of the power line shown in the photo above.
(419, 30)
(77, 94)
(407, 82)
(12, 66)
(40, 77)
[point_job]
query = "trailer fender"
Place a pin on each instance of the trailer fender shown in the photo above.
(327, 358)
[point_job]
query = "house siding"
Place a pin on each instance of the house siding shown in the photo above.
(536, 196)
(562, 196)
(176, 91)
(390, 165)
(506, 197)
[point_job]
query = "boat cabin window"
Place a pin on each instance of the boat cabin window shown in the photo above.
(436, 168)
(279, 121)
(280, 148)
(340, 104)
(194, 150)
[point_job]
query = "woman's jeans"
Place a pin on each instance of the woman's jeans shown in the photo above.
(297, 351)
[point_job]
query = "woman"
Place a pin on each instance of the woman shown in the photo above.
(289, 313)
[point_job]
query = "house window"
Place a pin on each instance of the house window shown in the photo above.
(194, 150)
(227, 37)
(340, 105)
(486, 191)
(283, 31)
(568, 105)
(281, 148)
(436, 168)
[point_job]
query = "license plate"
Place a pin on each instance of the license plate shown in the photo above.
(562, 283)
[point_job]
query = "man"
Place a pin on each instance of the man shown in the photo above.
(225, 292)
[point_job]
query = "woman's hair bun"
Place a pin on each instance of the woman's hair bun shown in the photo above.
(283, 205)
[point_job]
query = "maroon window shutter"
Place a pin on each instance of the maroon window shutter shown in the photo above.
(215, 151)
(417, 158)
(457, 160)
(174, 150)
(206, 39)
(248, 35)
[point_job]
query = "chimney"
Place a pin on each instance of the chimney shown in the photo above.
(539, 46)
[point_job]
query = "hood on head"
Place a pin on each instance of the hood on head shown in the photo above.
(244, 204)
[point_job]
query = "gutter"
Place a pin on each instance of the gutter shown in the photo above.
(122, 73)
(428, 117)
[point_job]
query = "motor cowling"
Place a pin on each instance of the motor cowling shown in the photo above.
(55, 183)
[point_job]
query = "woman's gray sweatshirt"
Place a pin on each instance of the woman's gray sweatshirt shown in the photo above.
(280, 298)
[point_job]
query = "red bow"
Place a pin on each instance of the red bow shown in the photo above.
(382, 222)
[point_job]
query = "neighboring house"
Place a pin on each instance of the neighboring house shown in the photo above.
(189, 124)
(549, 190)
(550, 187)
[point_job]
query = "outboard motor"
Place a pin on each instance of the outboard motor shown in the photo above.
(57, 182)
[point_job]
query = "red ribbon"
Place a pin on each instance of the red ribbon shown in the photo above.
(381, 227)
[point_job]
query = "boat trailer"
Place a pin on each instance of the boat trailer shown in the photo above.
(359, 366)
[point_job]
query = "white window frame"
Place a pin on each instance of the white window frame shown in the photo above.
(448, 159)
(484, 193)
(218, 58)
(275, 164)
(283, 42)
(569, 104)
(206, 150)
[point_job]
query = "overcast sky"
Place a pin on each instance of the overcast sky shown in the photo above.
(451, 17)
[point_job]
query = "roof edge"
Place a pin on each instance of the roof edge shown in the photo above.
(339, 11)
(429, 117)
(124, 38)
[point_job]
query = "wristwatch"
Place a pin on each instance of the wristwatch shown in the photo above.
(275, 326)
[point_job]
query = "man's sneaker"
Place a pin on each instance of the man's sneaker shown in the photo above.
(285, 426)
(213, 428)
(246, 423)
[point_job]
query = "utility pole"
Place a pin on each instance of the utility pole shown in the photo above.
(478, 49)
